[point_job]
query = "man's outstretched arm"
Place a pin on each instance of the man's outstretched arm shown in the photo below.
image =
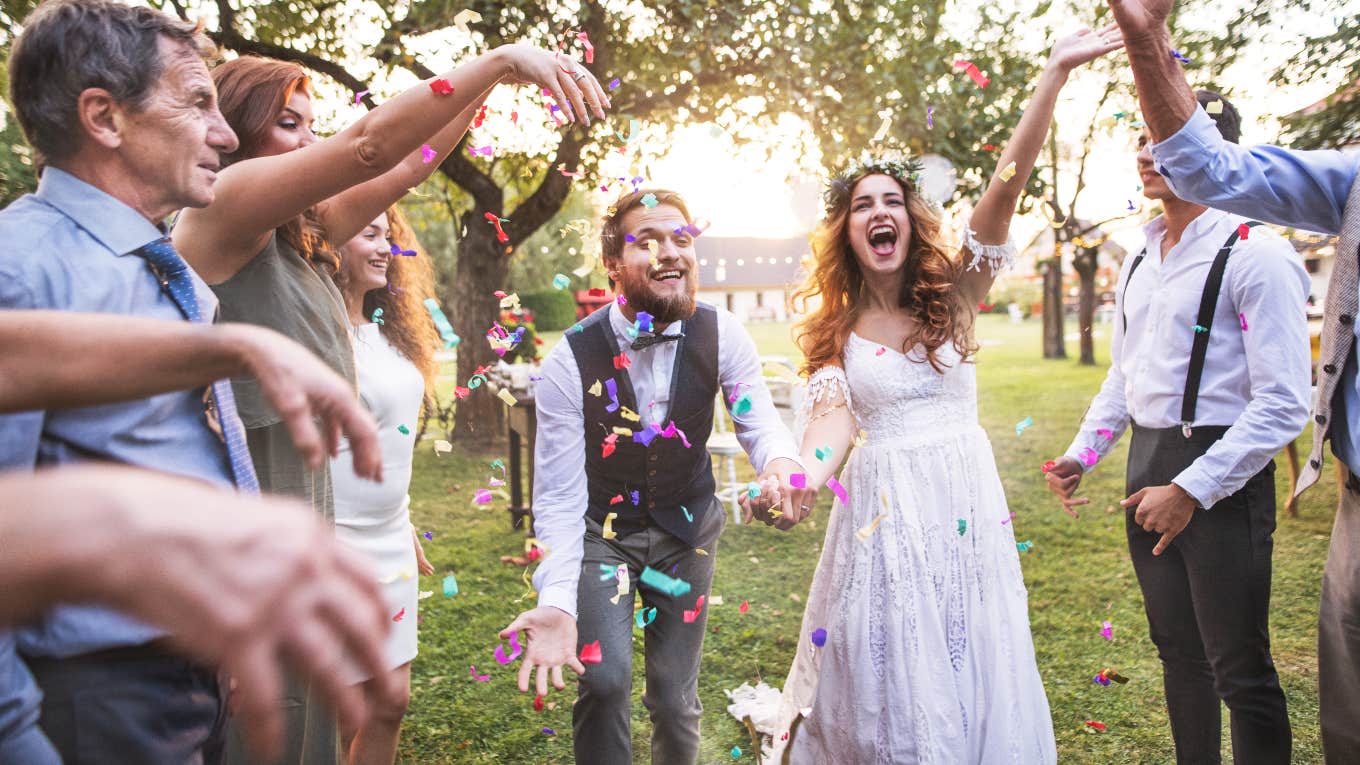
(59, 359)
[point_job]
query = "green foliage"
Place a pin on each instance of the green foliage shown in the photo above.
(554, 310)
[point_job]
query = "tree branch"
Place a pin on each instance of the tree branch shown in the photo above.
(231, 38)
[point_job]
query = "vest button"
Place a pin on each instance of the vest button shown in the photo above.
(1314, 464)
(1320, 419)
(651, 505)
(1347, 318)
(1329, 369)
(651, 472)
(652, 457)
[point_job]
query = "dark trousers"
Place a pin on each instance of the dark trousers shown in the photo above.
(1339, 635)
(603, 712)
(1207, 598)
(130, 706)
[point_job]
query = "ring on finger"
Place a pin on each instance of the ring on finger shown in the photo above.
(578, 76)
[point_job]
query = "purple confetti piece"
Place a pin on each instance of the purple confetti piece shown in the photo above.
(614, 83)
(429, 535)
(839, 490)
(515, 650)
(819, 637)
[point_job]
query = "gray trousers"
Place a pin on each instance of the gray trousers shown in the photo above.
(1339, 635)
(672, 648)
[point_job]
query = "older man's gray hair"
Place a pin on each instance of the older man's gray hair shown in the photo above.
(68, 46)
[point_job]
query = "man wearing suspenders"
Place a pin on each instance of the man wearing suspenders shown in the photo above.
(1210, 365)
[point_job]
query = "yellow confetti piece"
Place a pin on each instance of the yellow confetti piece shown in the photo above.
(883, 129)
(623, 584)
(623, 431)
(609, 532)
(869, 530)
(701, 551)
(442, 447)
(1008, 172)
(861, 437)
(596, 389)
(629, 414)
(507, 397)
(465, 17)
(511, 301)
(1214, 107)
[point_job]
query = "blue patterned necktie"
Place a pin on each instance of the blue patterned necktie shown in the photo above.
(173, 274)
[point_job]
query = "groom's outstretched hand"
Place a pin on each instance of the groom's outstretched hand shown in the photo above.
(1063, 479)
(551, 637)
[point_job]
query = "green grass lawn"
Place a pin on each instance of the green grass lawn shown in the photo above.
(1078, 575)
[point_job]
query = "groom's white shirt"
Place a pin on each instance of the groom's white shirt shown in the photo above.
(560, 495)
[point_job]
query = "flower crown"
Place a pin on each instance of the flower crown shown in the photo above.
(904, 168)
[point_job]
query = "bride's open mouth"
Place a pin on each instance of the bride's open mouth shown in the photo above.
(882, 239)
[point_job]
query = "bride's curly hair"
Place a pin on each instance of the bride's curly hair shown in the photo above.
(928, 280)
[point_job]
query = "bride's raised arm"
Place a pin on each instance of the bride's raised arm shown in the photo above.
(987, 247)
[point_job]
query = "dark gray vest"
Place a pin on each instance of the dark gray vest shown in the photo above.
(656, 479)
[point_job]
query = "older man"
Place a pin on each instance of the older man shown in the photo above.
(118, 104)
(1313, 190)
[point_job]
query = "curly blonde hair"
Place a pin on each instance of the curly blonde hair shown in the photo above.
(836, 285)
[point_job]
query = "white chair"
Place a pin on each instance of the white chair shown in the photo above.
(724, 448)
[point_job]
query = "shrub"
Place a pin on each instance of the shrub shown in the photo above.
(554, 310)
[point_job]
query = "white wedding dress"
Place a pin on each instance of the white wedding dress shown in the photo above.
(927, 655)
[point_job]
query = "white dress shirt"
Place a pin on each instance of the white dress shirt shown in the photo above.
(1255, 381)
(560, 495)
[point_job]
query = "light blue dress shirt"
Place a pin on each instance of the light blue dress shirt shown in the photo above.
(69, 247)
(1302, 189)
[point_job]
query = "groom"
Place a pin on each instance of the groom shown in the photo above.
(623, 484)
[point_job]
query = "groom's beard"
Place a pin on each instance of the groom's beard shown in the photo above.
(664, 309)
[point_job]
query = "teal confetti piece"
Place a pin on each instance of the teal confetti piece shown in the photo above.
(1025, 546)
(1198, 328)
(742, 406)
(644, 617)
(736, 752)
(688, 516)
(824, 453)
(377, 316)
(648, 200)
(441, 323)
(402, 429)
(753, 490)
(669, 585)
(963, 526)
(1023, 425)
(561, 281)
(450, 586)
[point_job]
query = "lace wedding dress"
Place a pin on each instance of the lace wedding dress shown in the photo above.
(927, 655)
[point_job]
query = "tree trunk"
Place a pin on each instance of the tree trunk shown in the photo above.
(481, 270)
(1085, 264)
(1054, 347)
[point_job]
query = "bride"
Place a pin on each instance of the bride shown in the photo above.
(915, 646)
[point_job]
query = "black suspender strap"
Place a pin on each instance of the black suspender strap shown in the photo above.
(1203, 324)
(1124, 311)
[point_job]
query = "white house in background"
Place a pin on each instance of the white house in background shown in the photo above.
(753, 278)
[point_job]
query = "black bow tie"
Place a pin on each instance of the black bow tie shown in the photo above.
(647, 341)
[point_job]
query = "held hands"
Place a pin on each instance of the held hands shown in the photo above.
(780, 503)
(573, 87)
(1063, 479)
(1084, 46)
(1162, 509)
(551, 637)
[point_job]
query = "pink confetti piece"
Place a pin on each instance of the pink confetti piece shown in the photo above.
(839, 490)
(496, 221)
(359, 96)
(1242, 231)
(881, 350)
(399, 615)
(691, 616)
(1089, 456)
(1105, 433)
(482, 497)
(441, 86)
(1107, 630)
(798, 480)
(515, 650)
(744, 607)
(472, 670)
(427, 154)
(973, 71)
(590, 653)
(590, 49)
(1242, 317)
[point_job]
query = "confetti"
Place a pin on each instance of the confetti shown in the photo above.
(399, 615)
(561, 281)
(930, 117)
(1089, 456)
(973, 71)
(377, 316)
(1242, 317)
(1105, 433)
(818, 637)
(608, 532)
(1214, 107)
(1242, 231)
(590, 49)
(622, 361)
(614, 83)
(798, 480)
(881, 350)
(590, 653)
(963, 526)
(644, 617)
(659, 581)
(482, 497)
(549, 732)
(1107, 630)
(1199, 328)
(496, 221)
(1023, 425)
(610, 444)
(441, 322)
(465, 17)
(423, 594)
(744, 607)
(688, 516)
(632, 136)
(442, 447)
(538, 703)
(427, 154)
(883, 129)
(515, 650)
(359, 96)
(691, 616)
(1025, 546)
(868, 531)
(839, 490)
(649, 201)
(450, 586)
(1177, 55)
(823, 453)
(1092, 725)
(507, 397)
(472, 670)
(397, 250)
(753, 490)
(428, 535)
(1047, 466)
(736, 752)
(441, 86)
(1008, 172)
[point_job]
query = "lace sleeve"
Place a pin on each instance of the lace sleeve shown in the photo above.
(826, 388)
(997, 256)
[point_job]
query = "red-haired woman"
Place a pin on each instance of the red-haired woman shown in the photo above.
(384, 277)
(915, 644)
(286, 199)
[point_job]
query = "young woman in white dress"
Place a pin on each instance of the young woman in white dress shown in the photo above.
(915, 646)
(394, 342)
